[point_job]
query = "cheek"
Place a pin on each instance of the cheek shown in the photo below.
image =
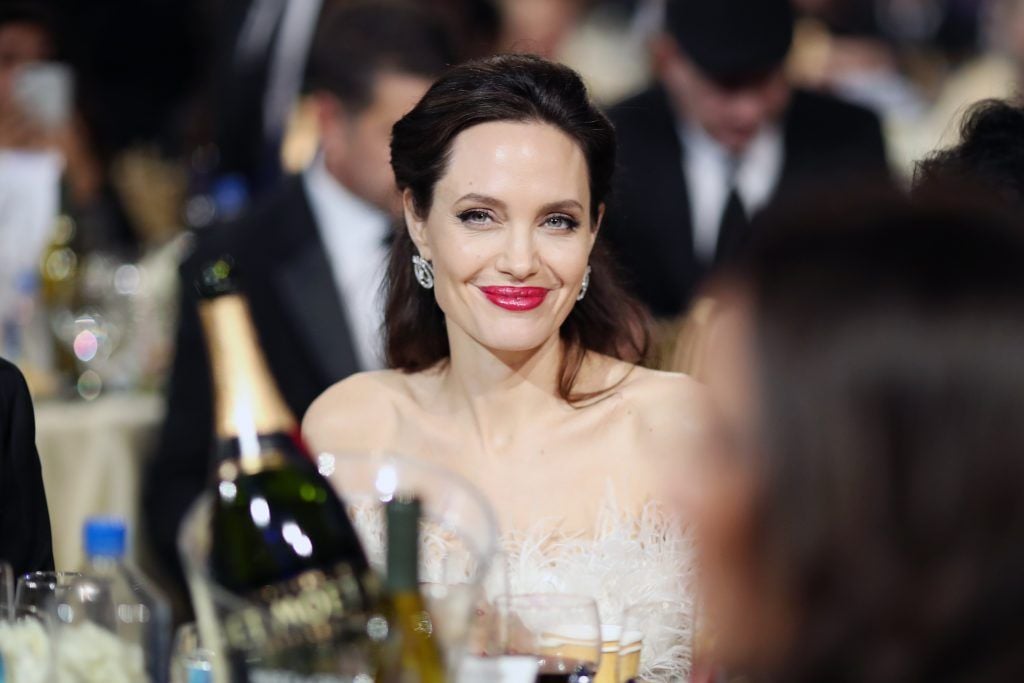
(371, 146)
(568, 258)
(457, 262)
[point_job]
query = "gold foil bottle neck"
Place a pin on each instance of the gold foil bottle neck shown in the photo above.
(247, 403)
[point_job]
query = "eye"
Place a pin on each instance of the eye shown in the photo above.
(475, 217)
(561, 222)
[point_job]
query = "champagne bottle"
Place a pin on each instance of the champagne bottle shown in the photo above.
(414, 656)
(281, 536)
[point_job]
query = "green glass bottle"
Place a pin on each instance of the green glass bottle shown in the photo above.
(281, 535)
(414, 654)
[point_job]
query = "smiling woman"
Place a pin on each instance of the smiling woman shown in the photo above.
(511, 134)
(513, 349)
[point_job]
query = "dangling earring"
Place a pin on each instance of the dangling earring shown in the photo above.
(423, 270)
(585, 285)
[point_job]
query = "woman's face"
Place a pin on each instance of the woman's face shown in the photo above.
(509, 234)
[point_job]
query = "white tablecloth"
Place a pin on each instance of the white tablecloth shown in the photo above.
(92, 456)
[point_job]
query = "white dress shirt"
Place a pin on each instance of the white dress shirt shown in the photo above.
(710, 170)
(353, 233)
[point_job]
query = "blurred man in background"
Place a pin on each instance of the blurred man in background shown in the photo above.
(722, 135)
(311, 257)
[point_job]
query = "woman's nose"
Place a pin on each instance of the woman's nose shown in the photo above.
(519, 258)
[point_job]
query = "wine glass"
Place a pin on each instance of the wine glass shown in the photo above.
(561, 632)
(37, 590)
(647, 629)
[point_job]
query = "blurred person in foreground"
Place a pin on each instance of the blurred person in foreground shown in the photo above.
(312, 255)
(25, 541)
(861, 516)
(721, 136)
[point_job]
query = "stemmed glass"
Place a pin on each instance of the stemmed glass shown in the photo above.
(25, 645)
(37, 590)
(561, 632)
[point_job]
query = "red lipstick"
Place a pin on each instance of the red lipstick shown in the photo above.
(515, 298)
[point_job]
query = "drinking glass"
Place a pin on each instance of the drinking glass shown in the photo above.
(647, 630)
(37, 590)
(6, 591)
(25, 645)
(562, 632)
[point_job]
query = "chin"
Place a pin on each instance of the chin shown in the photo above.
(514, 338)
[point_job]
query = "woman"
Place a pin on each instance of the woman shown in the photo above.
(513, 351)
(861, 516)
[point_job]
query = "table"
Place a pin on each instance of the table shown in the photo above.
(92, 456)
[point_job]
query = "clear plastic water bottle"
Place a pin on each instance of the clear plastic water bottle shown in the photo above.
(143, 614)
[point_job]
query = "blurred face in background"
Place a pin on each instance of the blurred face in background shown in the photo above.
(357, 144)
(1006, 26)
(744, 626)
(730, 112)
(538, 26)
(21, 42)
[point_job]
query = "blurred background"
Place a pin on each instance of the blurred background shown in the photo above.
(130, 128)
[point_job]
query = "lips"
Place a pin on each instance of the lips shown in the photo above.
(515, 298)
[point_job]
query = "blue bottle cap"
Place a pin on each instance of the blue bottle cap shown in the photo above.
(104, 537)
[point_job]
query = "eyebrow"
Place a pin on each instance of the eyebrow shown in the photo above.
(560, 205)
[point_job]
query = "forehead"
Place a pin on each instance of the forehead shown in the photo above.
(516, 160)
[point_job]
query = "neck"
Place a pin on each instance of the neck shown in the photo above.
(502, 392)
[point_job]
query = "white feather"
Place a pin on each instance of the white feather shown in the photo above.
(632, 559)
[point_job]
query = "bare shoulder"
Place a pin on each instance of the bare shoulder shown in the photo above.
(357, 413)
(671, 409)
(655, 387)
(662, 421)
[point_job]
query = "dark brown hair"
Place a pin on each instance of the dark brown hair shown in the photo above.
(889, 512)
(505, 88)
(988, 159)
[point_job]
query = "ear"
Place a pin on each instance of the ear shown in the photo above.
(416, 225)
(663, 52)
(331, 118)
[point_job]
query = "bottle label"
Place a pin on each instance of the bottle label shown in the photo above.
(315, 627)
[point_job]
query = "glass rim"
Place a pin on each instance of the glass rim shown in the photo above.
(52, 578)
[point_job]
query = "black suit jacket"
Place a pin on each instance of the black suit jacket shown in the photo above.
(648, 222)
(25, 540)
(298, 315)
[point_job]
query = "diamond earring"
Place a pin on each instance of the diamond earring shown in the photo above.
(423, 270)
(585, 285)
